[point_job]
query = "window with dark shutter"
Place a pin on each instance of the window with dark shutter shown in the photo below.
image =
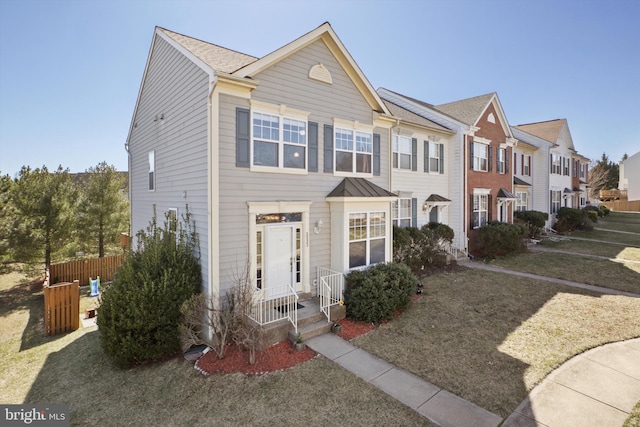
(313, 147)
(328, 148)
(414, 154)
(376, 154)
(243, 132)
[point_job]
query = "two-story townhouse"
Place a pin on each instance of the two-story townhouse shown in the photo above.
(531, 165)
(282, 160)
(438, 189)
(488, 150)
(560, 155)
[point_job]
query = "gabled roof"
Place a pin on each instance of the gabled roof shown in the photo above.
(359, 187)
(549, 130)
(530, 139)
(411, 117)
(505, 194)
(467, 110)
(325, 33)
(437, 198)
(217, 57)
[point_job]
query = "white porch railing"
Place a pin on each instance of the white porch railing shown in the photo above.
(330, 289)
(269, 308)
(455, 247)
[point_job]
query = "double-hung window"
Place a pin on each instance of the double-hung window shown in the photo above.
(401, 210)
(480, 209)
(556, 165)
(152, 170)
(521, 200)
(526, 162)
(556, 199)
(501, 163)
(435, 154)
(279, 141)
(367, 241)
(354, 151)
(402, 149)
(480, 156)
(566, 161)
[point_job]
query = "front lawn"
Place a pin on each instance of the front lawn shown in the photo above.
(620, 238)
(622, 275)
(490, 338)
(590, 248)
(72, 369)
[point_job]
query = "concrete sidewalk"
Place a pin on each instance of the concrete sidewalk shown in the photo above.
(433, 403)
(595, 389)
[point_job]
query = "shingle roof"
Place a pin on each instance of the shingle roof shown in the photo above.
(437, 198)
(217, 57)
(466, 110)
(505, 194)
(411, 117)
(518, 181)
(359, 187)
(549, 130)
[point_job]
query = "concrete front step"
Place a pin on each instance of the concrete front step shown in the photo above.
(310, 330)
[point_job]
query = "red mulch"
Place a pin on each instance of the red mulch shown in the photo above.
(352, 329)
(279, 356)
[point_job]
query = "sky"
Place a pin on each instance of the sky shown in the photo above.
(70, 70)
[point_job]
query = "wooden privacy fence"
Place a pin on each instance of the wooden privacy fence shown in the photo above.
(623, 205)
(83, 269)
(61, 307)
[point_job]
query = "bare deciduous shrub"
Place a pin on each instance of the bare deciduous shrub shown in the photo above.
(226, 317)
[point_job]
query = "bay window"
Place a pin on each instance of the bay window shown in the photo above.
(366, 238)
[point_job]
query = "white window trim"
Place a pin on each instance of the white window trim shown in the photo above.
(475, 156)
(519, 200)
(502, 163)
(481, 193)
(152, 170)
(354, 126)
(396, 210)
(410, 153)
(432, 145)
(283, 112)
(367, 239)
(525, 167)
(257, 208)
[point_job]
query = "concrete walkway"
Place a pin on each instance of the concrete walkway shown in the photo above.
(433, 403)
(598, 388)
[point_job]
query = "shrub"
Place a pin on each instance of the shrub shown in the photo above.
(593, 215)
(595, 209)
(533, 221)
(417, 248)
(140, 310)
(569, 219)
(499, 238)
(375, 294)
(604, 210)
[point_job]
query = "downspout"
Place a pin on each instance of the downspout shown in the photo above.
(212, 193)
(465, 195)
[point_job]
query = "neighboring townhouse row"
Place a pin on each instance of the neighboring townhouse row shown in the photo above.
(293, 164)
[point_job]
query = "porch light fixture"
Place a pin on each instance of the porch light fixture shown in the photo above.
(318, 227)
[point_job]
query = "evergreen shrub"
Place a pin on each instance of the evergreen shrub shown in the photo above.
(375, 294)
(140, 310)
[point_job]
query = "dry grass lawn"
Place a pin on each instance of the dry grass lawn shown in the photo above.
(621, 238)
(601, 249)
(72, 369)
(620, 275)
(490, 338)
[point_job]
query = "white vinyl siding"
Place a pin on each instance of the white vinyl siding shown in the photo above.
(287, 83)
(171, 121)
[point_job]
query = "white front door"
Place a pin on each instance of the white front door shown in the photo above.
(280, 260)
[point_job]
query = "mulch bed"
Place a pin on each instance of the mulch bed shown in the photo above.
(275, 358)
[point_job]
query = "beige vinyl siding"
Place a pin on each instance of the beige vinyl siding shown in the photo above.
(177, 88)
(287, 83)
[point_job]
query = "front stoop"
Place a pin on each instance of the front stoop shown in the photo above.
(311, 322)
